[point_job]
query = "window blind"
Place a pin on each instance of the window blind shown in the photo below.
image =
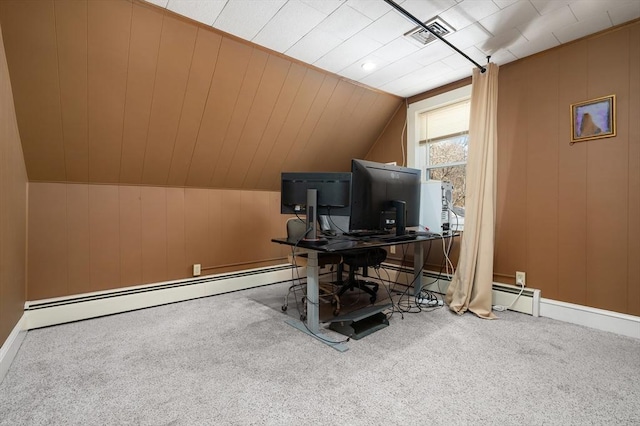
(442, 123)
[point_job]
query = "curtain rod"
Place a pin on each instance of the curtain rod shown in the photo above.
(421, 24)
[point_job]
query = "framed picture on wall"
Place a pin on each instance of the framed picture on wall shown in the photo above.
(593, 119)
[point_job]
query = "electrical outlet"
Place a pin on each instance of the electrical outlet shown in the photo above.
(392, 249)
(196, 269)
(521, 278)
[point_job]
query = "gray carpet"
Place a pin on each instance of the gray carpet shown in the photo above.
(231, 360)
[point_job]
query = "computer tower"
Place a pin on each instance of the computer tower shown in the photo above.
(435, 206)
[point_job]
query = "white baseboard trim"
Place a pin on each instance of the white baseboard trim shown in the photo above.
(600, 319)
(10, 347)
(43, 313)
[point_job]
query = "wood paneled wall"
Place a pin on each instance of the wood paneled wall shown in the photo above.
(124, 92)
(13, 210)
(568, 215)
(85, 237)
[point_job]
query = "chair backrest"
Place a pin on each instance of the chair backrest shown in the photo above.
(296, 228)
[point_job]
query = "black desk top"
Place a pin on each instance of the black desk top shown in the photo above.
(342, 242)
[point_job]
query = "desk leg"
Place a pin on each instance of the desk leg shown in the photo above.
(418, 262)
(313, 293)
(312, 327)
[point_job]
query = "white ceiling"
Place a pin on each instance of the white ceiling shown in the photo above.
(340, 35)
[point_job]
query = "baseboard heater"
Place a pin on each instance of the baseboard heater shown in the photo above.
(43, 313)
(503, 294)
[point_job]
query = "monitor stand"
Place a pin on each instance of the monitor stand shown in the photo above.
(311, 237)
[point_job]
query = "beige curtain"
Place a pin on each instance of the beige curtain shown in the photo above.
(470, 288)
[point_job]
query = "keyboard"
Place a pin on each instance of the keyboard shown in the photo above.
(365, 233)
(397, 238)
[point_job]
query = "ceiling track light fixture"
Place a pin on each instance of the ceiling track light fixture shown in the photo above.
(435, 34)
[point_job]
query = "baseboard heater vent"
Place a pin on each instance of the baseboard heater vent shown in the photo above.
(503, 294)
(43, 313)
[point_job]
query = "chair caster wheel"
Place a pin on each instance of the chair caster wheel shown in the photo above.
(284, 308)
(303, 317)
(336, 312)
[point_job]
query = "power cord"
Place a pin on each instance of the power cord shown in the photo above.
(501, 308)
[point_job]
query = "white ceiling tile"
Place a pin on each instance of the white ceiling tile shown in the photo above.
(467, 12)
(355, 71)
(391, 72)
(515, 15)
(431, 53)
(297, 18)
(548, 6)
(347, 53)
(245, 18)
(425, 10)
(457, 61)
(313, 46)
(398, 48)
(624, 13)
(502, 41)
(324, 6)
(201, 11)
(582, 28)
(542, 42)
(472, 35)
(584, 9)
(502, 4)
(371, 9)
(344, 22)
(387, 28)
(502, 56)
(548, 23)
(161, 3)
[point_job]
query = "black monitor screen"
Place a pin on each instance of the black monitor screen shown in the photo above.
(333, 192)
(378, 191)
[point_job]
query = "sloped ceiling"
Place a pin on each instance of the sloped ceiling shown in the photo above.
(122, 91)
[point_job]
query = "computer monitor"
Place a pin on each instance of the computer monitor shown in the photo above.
(313, 194)
(384, 197)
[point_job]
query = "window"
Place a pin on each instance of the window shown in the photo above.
(443, 146)
(437, 142)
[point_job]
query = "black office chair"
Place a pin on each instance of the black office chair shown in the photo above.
(361, 259)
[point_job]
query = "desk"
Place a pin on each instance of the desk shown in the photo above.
(338, 245)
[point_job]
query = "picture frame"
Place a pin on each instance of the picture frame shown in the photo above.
(593, 119)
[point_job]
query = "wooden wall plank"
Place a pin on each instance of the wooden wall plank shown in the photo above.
(109, 28)
(310, 123)
(260, 115)
(633, 234)
(241, 110)
(130, 212)
(36, 90)
(198, 236)
(608, 73)
(146, 27)
(511, 195)
(316, 155)
(271, 135)
(542, 174)
(174, 60)
(78, 243)
(225, 88)
(104, 237)
(176, 263)
(154, 233)
(572, 190)
(71, 34)
(203, 64)
(47, 275)
(227, 219)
